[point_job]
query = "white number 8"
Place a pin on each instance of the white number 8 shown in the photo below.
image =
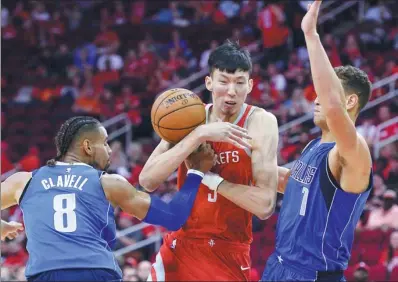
(68, 211)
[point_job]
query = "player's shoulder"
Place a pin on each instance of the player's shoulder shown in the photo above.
(20, 177)
(260, 115)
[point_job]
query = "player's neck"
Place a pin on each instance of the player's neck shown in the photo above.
(72, 158)
(214, 115)
(327, 137)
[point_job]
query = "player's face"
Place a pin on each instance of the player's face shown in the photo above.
(319, 117)
(101, 150)
(229, 90)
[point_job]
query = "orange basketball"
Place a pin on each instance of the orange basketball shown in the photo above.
(175, 113)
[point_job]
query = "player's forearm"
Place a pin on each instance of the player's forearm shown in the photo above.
(327, 85)
(283, 175)
(174, 214)
(157, 171)
(257, 200)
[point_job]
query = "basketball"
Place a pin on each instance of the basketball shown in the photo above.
(175, 113)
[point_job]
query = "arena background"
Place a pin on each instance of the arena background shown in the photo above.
(109, 59)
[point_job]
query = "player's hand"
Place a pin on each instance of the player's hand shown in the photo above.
(308, 24)
(10, 229)
(225, 132)
(201, 159)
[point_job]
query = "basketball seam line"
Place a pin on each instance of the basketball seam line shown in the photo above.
(176, 89)
(200, 104)
(180, 128)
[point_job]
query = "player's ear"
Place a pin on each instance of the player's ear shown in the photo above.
(352, 101)
(87, 147)
(250, 85)
(209, 83)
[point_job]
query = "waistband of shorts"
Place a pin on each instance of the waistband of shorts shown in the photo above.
(314, 274)
(213, 243)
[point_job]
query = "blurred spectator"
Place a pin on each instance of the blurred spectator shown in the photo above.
(87, 102)
(229, 8)
(107, 40)
(130, 274)
(386, 216)
(118, 157)
(39, 13)
(389, 256)
(30, 161)
(271, 22)
(277, 79)
(85, 56)
(119, 16)
(352, 51)
(74, 17)
(378, 13)
(131, 65)
(138, 9)
(204, 58)
(368, 130)
(361, 273)
(62, 60)
(4, 16)
(115, 61)
(392, 173)
(144, 268)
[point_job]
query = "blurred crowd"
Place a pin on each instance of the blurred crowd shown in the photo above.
(99, 58)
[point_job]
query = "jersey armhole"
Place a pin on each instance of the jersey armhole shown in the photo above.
(337, 185)
(26, 187)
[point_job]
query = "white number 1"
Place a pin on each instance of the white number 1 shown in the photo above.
(304, 201)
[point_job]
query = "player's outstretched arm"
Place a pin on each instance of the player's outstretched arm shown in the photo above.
(10, 229)
(165, 160)
(12, 188)
(152, 209)
(258, 199)
(349, 144)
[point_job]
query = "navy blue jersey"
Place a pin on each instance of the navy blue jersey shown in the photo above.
(316, 225)
(69, 223)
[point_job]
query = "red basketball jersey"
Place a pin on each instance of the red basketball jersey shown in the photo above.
(213, 216)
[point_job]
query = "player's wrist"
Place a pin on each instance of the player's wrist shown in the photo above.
(212, 181)
(200, 134)
(196, 172)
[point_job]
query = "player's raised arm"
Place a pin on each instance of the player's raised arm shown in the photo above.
(152, 209)
(12, 188)
(260, 198)
(333, 100)
(165, 160)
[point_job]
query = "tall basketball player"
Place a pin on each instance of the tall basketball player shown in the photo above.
(214, 244)
(68, 206)
(327, 188)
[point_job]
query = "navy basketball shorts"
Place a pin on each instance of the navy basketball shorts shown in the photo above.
(77, 274)
(277, 271)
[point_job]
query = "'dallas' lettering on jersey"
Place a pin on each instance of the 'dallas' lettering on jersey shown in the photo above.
(303, 173)
(227, 157)
(65, 181)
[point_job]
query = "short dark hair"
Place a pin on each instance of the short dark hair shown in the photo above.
(68, 132)
(230, 57)
(355, 81)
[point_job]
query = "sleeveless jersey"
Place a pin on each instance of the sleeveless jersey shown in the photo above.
(213, 216)
(317, 220)
(69, 223)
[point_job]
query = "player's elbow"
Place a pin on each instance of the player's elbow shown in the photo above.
(266, 210)
(147, 183)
